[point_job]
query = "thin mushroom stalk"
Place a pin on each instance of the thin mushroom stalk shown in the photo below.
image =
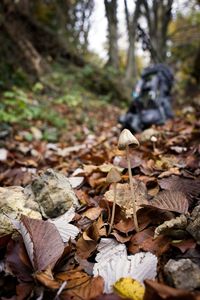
(127, 139)
(132, 190)
(113, 177)
(113, 208)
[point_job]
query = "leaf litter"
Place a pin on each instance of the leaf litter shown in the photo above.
(65, 251)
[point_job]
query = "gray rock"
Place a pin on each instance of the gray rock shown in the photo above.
(51, 193)
(183, 274)
(194, 224)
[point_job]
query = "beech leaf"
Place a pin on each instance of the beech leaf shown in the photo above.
(42, 241)
(171, 201)
(189, 187)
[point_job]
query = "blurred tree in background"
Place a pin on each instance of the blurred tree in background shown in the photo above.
(37, 33)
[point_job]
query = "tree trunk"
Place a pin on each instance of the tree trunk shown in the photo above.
(111, 14)
(14, 26)
(158, 16)
(131, 24)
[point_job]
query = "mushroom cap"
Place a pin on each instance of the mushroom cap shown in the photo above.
(154, 139)
(113, 176)
(126, 138)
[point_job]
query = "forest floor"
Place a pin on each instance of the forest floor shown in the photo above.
(76, 133)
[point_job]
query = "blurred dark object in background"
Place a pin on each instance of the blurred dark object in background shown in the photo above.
(151, 102)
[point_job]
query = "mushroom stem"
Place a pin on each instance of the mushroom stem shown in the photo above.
(113, 208)
(131, 189)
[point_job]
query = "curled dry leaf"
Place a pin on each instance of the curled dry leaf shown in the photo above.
(92, 213)
(85, 248)
(80, 285)
(124, 199)
(42, 241)
(114, 263)
(65, 229)
(171, 201)
(159, 291)
(46, 279)
(167, 226)
(90, 289)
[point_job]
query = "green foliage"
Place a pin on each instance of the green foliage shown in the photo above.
(17, 106)
(184, 34)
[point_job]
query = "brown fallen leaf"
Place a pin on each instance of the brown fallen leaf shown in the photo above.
(171, 171)
(184, 245)
(47, 279)
(189, 187)
(120, 238)
(171, 201)
(17, 261)
(85, 248)
(92, 213)
(144, 241)
(125, 225)
(81, 286)
(157, 246)
(124, 198)
(23, 290)
(137, 239)
(43, 251)
(159, 291)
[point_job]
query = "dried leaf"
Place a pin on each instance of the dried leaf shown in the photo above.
(125, 225)
(130, 288)
(187, 186)
(17, 261)
(177, 223)
(85, 248)
(43, 242)
(184, 245)
(89, 289)
(159, 291)
(144, 241)
(92, 213)
(23, 290)
(124, 198)
(171, 201)
(113, 263)
(120, 238)
(47, 280)
(76, 181)
(65, 229)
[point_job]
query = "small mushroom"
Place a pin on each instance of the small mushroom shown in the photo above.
(154, 140)
(127, 139)
(113, 177)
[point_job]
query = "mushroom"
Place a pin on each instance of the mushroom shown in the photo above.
(127, 139)
(154, 140)
(113, 177)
